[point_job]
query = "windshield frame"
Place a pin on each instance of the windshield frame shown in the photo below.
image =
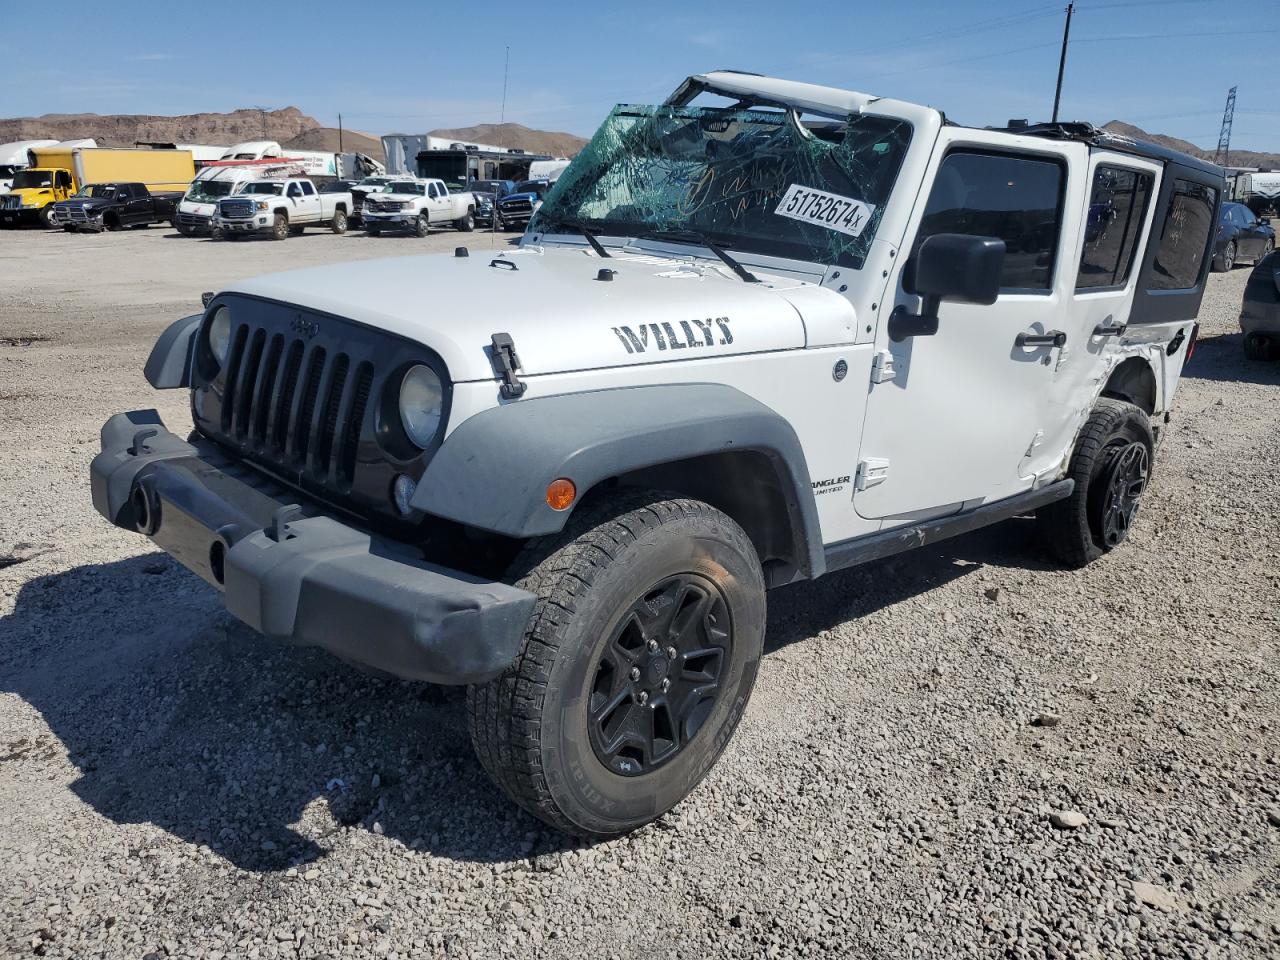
(757, 156)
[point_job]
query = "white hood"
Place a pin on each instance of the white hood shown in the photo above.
(559, 315)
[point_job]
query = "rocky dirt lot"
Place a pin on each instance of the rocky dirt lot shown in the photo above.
(924, 734)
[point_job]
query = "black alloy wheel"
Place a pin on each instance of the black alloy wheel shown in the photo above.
(659, 676)
(1125, 469)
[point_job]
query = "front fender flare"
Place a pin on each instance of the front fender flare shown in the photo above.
(492, 471)
(169, 365)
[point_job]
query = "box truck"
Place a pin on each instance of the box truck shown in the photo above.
(57, 173)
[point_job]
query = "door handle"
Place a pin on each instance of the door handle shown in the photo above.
(1104, 331)
(1054, 338)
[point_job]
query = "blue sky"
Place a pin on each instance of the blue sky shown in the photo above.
(411, 66)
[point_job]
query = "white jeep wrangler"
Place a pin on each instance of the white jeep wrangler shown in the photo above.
(741, 345)
(417, 205)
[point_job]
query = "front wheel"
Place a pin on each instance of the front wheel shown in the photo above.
(1111, 466)
(46, 215)
(638, 662)
(339, 222)
(422, 226)
(280, 227)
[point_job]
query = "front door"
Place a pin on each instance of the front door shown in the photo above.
(954, 425)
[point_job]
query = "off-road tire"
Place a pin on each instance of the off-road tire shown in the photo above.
(1258, 346)
(280, 229)
(1072, 530)
(422, 225)
(466, 223)
(339, 222)
(530, 726)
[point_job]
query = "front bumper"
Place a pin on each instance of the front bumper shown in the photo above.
(295, 574)
(11, 216)
(405, 219)
(261, 223)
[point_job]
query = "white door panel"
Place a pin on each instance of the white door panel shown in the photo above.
(966, 405)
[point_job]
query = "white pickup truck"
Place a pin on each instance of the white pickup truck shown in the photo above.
(280, 207)
(417, 205)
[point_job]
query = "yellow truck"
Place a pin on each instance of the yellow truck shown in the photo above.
(57, 174)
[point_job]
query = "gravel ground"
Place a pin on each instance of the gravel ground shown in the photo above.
(962, 751)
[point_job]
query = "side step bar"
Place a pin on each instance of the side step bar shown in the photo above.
(850, 553)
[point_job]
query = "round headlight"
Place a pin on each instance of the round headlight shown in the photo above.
(220, 334)
(421, 404)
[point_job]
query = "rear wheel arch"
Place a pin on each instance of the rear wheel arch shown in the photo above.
(1133, 381)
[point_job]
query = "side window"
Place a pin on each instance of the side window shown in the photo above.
(1117, 209)
(308, 189)
(295, 190)
(431, 191)
(1184, 235)
(63, 180)
(1015, 198)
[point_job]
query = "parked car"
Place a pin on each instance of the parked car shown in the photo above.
(1260, 311)
(418, 205)
(280, 208)
(488, 193)
(347, 186)
(111, 206)
(566, 475)
(519, 207)
(199, 204)
(1241, 235)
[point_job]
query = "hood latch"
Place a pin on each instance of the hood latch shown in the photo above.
(505, 363)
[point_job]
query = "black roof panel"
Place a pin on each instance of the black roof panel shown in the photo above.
(1095, 137)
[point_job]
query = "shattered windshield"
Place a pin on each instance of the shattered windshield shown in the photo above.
(209, 191)
(751, 180)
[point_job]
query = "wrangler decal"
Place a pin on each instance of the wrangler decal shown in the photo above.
(666, 336)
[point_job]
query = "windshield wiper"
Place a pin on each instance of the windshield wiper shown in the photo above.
(695, 236)
(587, 232)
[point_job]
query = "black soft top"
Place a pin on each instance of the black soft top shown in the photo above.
(1103, 139)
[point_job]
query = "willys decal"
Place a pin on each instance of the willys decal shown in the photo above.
(679, 335)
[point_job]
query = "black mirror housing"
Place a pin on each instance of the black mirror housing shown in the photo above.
(956, 266)
(948, 266)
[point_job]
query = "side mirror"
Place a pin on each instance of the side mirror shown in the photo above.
(949, 266)
(122, 196)
(1264, 220)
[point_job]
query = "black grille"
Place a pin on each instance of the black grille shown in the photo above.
(236, 208)
(309, 397)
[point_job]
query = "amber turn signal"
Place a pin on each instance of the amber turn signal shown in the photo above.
(560, 494)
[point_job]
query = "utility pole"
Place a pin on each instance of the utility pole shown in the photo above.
(340, 133)
(1223, 153)
(1062, 62)
(506, 64)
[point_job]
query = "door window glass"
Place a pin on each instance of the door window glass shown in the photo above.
(1117, 209)
(308, 189)
(1184, 236)
(1015, 198)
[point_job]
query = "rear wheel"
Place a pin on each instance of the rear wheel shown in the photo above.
(1111, 465)
(638, 662)
(1258, 346)
(1227, 259)
(280, 227)
(339, 222)
(466, 223)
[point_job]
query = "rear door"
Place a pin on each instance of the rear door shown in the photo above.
(953, 426)
(437, 201)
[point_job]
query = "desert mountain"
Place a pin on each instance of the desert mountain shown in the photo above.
(518, 136)
(1239, 158)
(125, 129)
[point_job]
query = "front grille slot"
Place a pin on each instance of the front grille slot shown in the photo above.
(266, 385)
(329, 417)
(248, 376)
(307, 405)
(355, 419)
(284, 404)
(233, 372)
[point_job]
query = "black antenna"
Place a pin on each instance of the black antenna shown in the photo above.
(1062, 63)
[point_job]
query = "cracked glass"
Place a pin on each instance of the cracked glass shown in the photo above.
(747, 179)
